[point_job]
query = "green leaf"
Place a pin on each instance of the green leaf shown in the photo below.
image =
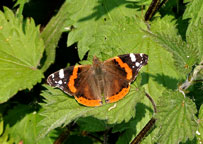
(20, 51)
(5, 139)
(4, 136)
(126, 136)
(161, 72)
(199, 132)
(194, 38)
(61, 109)
(175, 118)
(103, 26)
(52, 33)
(21, 4)
(184, 54)
(194, 10)
(134, 126)
(22, 122)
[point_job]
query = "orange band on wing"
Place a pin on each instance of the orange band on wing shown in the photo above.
(126, 67)
(118, 96)
(87, 102)
(71, 83)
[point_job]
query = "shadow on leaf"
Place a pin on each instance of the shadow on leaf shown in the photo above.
(129, 129)
(164, 80)
(104, 7)
(17, 114)
(91, 124)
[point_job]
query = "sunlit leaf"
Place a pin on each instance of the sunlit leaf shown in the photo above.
(20, 52)
(175, 118)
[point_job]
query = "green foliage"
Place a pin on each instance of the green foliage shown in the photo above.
(59, 109)
(21, 2)
(175, 118)
(134, 126)
(22, 121)
(20, 52)
(195, 39)
(4, 138)
(184, 54)
(194, 12)
(105, 29)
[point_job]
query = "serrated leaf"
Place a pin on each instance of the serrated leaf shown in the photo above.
(22, 121)
(20, 51)
(21, 4)
(184, 55)
(194, 10)
(175, 118)
(52, 33)
(102, 26)
(61, 109)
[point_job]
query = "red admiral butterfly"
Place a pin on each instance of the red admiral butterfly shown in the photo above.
(109, 80)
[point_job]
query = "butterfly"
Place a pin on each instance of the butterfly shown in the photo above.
(101, 82)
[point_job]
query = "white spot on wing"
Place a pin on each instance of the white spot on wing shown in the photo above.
(141, 54)
(61, 73)
(137, 64)
(133, 58)
(60, 82)
(52, 75)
